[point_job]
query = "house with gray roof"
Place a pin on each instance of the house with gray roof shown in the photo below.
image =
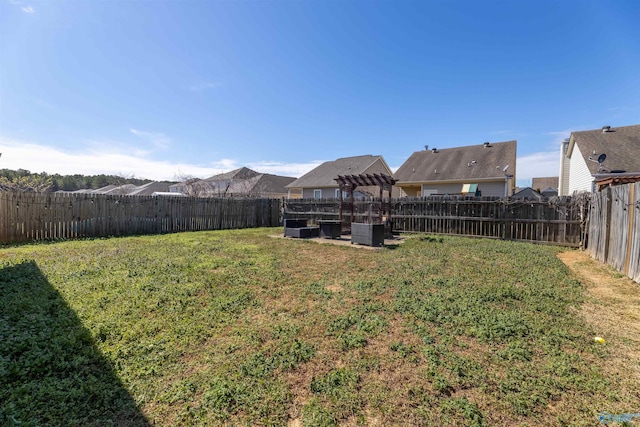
(527, 193)
(544, 183)
(594, 155)
(320, 183)
(487, 169)
(241, 182)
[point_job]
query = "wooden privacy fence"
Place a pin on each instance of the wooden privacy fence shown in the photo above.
(39, 216)
(614, 228)
(558, 221)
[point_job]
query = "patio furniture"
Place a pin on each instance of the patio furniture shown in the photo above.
(298, 228)
(367, 234)
(330, 228)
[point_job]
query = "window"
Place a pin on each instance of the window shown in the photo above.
(317, 194)
(337, 193)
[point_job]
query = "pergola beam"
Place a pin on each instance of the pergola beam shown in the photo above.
(350, 182)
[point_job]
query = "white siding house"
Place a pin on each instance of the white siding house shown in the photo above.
(580, 178)
(618, 148)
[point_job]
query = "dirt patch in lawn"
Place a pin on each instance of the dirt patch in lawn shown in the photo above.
(345, 240)
(612, 308)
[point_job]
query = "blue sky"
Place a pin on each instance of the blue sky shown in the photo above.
(163, 89)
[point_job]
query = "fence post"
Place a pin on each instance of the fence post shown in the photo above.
(608, 199)
(630, 236)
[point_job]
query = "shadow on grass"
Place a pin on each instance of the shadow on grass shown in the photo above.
(51, 372)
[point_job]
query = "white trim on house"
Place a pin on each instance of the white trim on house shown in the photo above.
(563, 176)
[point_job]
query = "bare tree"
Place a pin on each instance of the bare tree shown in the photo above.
(192, 186)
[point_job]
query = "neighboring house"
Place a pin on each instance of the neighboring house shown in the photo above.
(320, 182)
(484, 170)
(527, 193)
(242, 182)
(594, 155)
(129, 189)
(150, 188)
(542, 184)
(549, 192)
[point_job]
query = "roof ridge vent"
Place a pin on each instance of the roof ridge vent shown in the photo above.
(606, 129)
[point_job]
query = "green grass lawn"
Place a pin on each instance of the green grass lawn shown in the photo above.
(239, 328)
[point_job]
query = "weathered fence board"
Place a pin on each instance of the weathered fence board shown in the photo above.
(555, 222)
(634, 249)
(38, 216)
(614, 228)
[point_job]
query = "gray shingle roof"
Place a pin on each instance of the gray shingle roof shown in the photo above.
(273, 184)
(240, 173)
(150, 188)
(621, 145)
(528, 193)
(261, 184)
(545, 182)
(458, 163)
(325, 174)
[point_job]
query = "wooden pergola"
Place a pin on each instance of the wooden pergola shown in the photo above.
(349, 183)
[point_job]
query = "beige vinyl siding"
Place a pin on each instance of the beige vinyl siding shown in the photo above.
(442, 188)
(409, 191)
(378, 167)
(580, 178)
(327, 193)
(490, 189)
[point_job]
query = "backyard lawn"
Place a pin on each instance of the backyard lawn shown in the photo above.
(241, 328)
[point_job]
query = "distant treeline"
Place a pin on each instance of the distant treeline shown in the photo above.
(25, 180)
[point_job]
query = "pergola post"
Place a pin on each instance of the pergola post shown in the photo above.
(350, 182)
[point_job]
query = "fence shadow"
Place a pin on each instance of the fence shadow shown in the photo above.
(51, 372)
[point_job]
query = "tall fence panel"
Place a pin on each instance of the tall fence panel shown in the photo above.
(41, 216)
(559, 221)
(599, 225)
(614, 228)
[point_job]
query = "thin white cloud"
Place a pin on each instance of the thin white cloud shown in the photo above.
(201, 87)
(112, 159)
(159, 140)
(559, 136)
(28, 9)
(91, 161)
(285, 169)
(537, 165)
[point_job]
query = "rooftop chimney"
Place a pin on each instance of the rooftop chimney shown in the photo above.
(606, 129)
(487, 144)
(434, 150)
